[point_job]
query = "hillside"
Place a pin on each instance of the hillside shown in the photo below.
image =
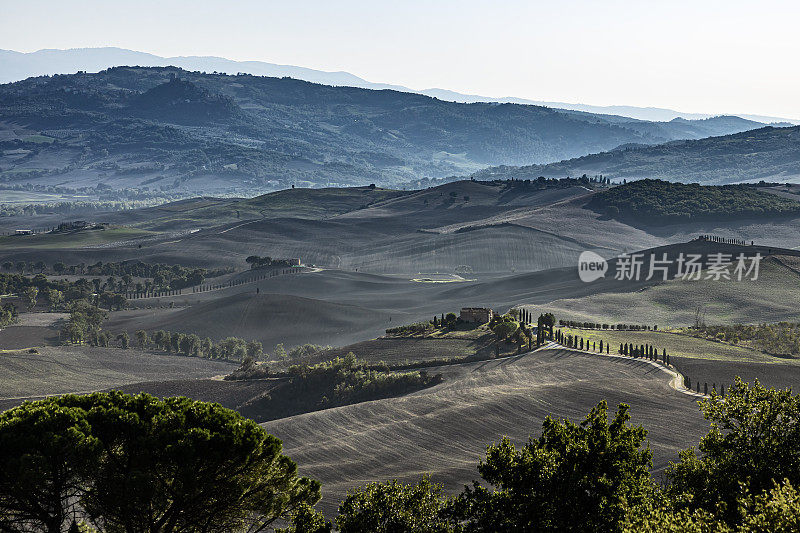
(166, 131)
(444, 430)
(770, 154)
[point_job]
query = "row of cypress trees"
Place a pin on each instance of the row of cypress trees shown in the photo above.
(640, 351)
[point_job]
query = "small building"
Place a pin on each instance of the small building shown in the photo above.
(23, 232)
(477, 315)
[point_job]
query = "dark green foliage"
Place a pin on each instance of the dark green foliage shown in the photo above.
(71, 291)
(574, 477)
(136, 463)
(84, 320)
(504, 326)
(394, 507)
(412, 329)
(661, 202)
(256, 261)
(124, 340)
(781, 338)
(754, 440)
(48, 450)
(163, 276)
(341, 381)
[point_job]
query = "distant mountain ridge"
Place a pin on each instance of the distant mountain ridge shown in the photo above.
(16, 66)
(769, 154)
(195, 133)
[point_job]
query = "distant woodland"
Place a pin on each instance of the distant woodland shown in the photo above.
(661, 202)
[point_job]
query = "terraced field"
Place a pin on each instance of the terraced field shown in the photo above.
(444, 430)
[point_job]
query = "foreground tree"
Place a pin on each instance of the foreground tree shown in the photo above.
(394, 507)
(137, 463)
(754, 441)
(776, 511)
(575, 477)
(47, 452)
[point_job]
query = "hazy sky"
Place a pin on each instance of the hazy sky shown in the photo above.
(704, 56)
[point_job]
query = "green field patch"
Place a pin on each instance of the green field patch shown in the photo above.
(32, 197)
(676, 344)
(38, 139)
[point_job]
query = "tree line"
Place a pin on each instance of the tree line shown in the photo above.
(339, 381)
(256, 261)
(781, 338)
(658, 201)
(598, 325)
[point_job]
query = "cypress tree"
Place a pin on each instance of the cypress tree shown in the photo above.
(705, 388)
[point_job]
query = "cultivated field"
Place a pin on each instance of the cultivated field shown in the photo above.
(71, 240)
(65, 369)
(444, 430)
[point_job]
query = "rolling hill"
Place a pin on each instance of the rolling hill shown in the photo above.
(174, 132)
(443, 430)
(770, 154)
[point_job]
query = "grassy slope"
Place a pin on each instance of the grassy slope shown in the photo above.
(771, 298)
(676, 345)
